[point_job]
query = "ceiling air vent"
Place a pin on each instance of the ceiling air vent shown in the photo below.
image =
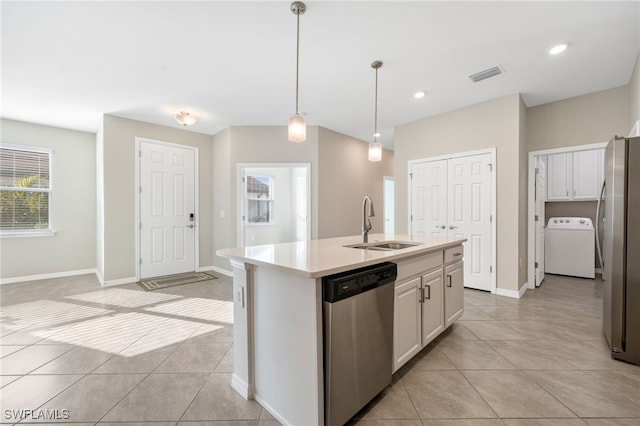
(483, 75)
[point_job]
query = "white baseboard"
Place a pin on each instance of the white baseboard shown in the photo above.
(111, 283)
(516, 294)
(241, 386)
(271, 411)
(220, 271)
(46, 276)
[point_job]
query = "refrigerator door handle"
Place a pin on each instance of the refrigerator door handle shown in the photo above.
(598, 244)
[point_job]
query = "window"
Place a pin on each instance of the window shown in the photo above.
(25, 189)
(259, 195)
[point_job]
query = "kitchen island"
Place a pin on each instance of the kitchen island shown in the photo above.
(278, 322)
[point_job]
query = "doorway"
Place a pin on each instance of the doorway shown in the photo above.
(274, 203)
(535, 228)
(167, 208)
(389, 205)
(453, 196)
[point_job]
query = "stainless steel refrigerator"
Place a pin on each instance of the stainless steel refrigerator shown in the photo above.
(620, 248)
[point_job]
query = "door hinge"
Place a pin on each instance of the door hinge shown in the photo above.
(411, 176)
(242, 179)
(490, 167)
(536, 218)
(140, 225)
(140, 153)
(141, 261)
(242, 217)
(140, 189)
(536, 264)
(411, 218)
(491, 269)
(537, 170)
(490, 218)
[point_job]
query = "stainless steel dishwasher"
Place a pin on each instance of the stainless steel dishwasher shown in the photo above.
(358, 338)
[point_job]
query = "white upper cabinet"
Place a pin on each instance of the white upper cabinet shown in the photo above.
(587, 174)
(575, 176)
(559, 177)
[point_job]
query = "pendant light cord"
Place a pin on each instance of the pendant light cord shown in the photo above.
(375, 121)
(297, 57)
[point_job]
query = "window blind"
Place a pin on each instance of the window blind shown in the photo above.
(25, 186)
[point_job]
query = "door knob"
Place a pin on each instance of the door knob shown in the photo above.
(452, 227)
(191, 226)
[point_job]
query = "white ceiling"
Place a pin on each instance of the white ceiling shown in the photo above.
(233, 63)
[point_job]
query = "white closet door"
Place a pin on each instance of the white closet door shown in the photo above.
(429, 198)
(469, 215)
(541, 192)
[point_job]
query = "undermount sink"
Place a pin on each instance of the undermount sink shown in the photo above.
(383, 245)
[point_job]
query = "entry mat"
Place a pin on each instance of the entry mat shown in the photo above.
(173, 280)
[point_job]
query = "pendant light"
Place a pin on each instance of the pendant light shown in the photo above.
(297, 122)
(375, 147)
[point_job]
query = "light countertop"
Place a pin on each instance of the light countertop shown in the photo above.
(318, 258)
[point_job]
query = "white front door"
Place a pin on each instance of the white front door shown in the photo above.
(429, 198)
(540, 197)
(167, 209)
(453, 197)
(469, 215)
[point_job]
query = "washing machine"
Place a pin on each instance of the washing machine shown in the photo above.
(569, 247)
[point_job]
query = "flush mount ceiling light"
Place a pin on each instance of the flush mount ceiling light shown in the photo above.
(297, 122)
(420, 94)
(559, 48)
(185, 118)
(375, 147)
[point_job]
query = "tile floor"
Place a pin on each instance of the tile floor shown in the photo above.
(121, 356)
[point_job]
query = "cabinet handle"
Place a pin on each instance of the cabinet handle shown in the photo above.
(421, 295)
(457, 254)
(449, 280)
(428, 293)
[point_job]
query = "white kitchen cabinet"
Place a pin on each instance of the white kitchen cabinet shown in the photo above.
(588, 173)
(559, 177)
(453, 292)
(575, 176)
(432, 307)
(407, 340)
(421, 308)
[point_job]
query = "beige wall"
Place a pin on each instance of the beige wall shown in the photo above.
(73, 204)
(582, 120)
(255, 145)
(119, 197)
(634, 94)
(346, 176)
(340, 176)
(491, 124)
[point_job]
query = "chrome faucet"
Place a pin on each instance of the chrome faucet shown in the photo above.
(366, 214)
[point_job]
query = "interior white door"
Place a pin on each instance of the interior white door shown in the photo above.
(429, 198)
(540, 199)
(389, 205)
(167, 209)
(469, 215)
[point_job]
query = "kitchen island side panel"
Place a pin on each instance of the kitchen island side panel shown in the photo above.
(287, 349)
